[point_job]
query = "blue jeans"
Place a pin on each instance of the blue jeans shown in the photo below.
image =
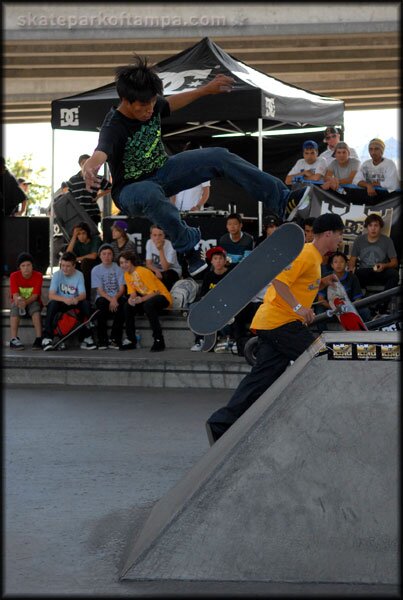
(150, 197)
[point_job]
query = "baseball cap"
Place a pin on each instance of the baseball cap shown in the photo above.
(23, 180)
(105, 247)
(24, 257)
(310, 144)
(272, 220)
(339, 145)
(329, 131)
(327, 222)
(120, 224)
(214, 250)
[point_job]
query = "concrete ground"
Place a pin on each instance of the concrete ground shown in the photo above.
(83, 468)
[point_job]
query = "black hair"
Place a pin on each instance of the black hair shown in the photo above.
(86, 227)
(131, 256)
(374, 217)
(83, 157)
(308, 221)
(236, 216)
(337, 253)
(69, 257)
(137, 81)
(328, 222)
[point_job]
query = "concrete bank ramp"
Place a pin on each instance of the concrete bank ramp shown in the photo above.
(303, 488)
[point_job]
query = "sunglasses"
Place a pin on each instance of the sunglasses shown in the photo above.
(332, 135)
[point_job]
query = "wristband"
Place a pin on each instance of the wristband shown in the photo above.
(297, 307)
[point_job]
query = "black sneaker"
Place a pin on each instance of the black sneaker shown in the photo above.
(16, 344)
(296, 200)
(47, 344)
(196, 261)
(37, 345)
(158, 345)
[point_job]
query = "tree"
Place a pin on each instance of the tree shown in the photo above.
(39, 193)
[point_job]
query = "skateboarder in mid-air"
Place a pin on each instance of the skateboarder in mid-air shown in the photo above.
(144, 176)
(280, 322)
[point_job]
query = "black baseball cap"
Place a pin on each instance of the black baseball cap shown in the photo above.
(24, 257)
(328, 222)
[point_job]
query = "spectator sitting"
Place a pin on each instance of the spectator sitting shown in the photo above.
(331, 138)
(120, 239)
(161, 257)
(25, 293)
(88, 200)
(271, 223)
(377, 171)
(310, 166)
(307, 226)
(85, 247)
(146, 292)
(236, 243)
(377, 257)
(338, 264)
(217, 271)
(108, 280)
(341, 170)
(67, 290)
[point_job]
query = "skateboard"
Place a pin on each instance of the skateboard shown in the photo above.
(236, 290)
(344, 309)
(60, 340)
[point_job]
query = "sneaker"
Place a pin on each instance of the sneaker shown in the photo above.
(158, 345)
(297, 200)
(88, 344)
(61, 346)
(128, 345)
(196, 347)
(37, 345)
(221, 347)
(103, 345)
(47, 344)
(16, 344)
(196, 261)
(114, 345)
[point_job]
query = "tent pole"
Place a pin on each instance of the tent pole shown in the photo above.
(52, 214)
(260, 166)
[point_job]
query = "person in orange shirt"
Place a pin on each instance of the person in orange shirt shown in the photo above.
(146, 292)
(280, 322)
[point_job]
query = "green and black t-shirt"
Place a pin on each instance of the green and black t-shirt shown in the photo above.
(134, 148)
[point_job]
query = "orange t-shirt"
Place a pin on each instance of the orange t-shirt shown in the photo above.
(303, 278)
(143, 281)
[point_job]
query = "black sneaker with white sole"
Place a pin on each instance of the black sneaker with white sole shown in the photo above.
(16, 344)
(196, 261)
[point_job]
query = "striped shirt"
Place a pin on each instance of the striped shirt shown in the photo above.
(76, 185)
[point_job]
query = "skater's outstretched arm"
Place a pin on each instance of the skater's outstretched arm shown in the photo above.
(90, 169)
(221, 83)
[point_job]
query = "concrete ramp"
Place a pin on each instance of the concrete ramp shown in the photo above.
(303, 488)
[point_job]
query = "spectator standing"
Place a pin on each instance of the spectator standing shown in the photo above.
(11, 195)
(21, 209)
(331, 138)
(374, 258)
(342, 169)
(378, 171)
(87, 199)
(85, 246)
(25, 296)
(161, 257)
(120, 239)
(310, 166)
(146, 293)
(108, 280)
(67, 290)
(235, 242)
(192, 199)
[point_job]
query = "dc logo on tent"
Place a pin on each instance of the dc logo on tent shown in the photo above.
(184, 79)
(270, 107)
(69, 117)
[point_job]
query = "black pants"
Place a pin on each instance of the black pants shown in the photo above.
(169, 277)
(55, 307)
(117, 322)
(389, 278)
(152, 309)
(86, 267)
(276, 347)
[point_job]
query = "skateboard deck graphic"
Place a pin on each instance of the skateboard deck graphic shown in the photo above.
(343, 308)
(74, 330)
(241, 284)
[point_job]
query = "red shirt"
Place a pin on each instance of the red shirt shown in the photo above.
(26, 287)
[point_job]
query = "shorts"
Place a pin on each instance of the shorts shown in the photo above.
(31, 309)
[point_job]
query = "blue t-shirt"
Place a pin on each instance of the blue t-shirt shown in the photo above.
(70, 287)
(107, 278)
